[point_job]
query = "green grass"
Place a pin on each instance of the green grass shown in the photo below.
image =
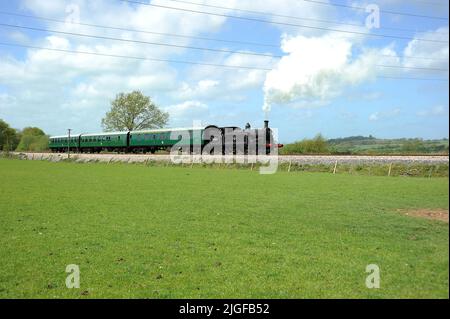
(172, 232)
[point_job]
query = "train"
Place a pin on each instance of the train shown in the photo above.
(212, 138)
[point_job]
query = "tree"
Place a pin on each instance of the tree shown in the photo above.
(33, 139)
(133, 111)
(8, 137)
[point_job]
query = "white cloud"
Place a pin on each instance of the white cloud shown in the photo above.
(381, 115)
(438, 110)
(7, 101)
(187, 110)
(316, 68)
(431, 54)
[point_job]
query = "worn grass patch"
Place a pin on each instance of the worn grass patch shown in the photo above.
(434, 214)
(156, 232)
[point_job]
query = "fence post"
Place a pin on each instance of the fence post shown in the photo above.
(290, 163)
(390, 168)
(335, 166)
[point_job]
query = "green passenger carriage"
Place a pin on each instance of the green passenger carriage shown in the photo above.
(61, 143)
(111, 141)
(153, 140)
(133, 141)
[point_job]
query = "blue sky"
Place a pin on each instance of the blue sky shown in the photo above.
(325, 81)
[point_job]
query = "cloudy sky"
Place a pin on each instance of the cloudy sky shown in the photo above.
(309, 66)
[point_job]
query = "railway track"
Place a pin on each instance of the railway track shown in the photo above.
(298, 159)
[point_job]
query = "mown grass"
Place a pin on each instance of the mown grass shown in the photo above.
(172, 232)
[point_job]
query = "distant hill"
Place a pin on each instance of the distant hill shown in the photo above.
(367, 145)
(373, 145)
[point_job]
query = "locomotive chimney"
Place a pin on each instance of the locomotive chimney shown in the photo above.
(266, 124)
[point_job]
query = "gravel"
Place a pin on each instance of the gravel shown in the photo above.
(298, 159)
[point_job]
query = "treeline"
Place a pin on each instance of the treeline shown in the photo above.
(362, 145)
(28, 139)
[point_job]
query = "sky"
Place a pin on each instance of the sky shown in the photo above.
(309, 66)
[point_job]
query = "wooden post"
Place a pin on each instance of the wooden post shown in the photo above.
(335, 166)
(290, 163)
(251, 167)
(390, 168)
(68, 144)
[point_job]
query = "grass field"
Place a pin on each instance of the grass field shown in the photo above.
(156, 232)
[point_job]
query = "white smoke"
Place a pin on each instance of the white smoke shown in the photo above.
(314, 70)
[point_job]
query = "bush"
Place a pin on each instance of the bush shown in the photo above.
(33, 139)
(413, 146)
(9, 137)
(317, 145)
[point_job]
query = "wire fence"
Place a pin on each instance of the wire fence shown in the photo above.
(399, 166)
